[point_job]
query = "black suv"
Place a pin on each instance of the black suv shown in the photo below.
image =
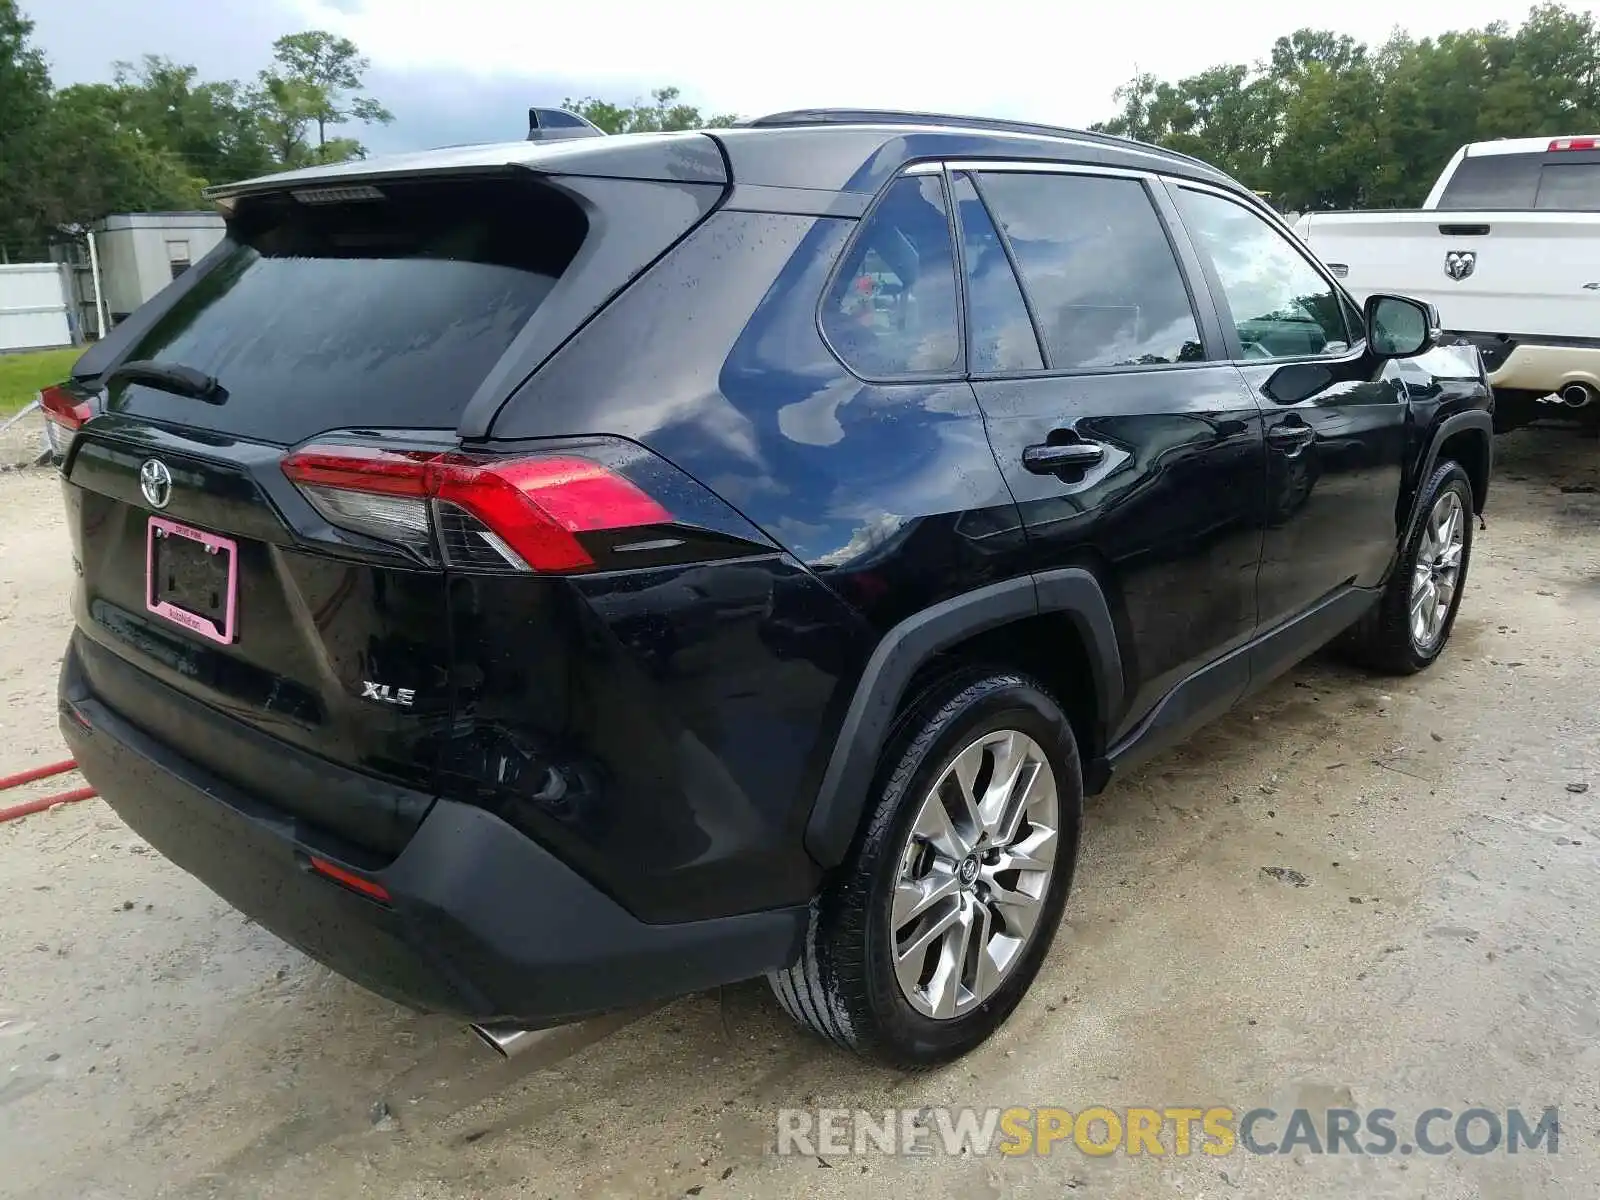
(544, 578)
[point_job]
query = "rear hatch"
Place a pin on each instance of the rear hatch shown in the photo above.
(238, 598)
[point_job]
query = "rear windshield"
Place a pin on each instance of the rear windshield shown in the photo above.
(1567, 181)
(376, 311)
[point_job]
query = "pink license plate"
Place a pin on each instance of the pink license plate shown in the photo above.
(192, 578)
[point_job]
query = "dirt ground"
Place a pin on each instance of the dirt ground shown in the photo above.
(1439, 952)
(22, 440)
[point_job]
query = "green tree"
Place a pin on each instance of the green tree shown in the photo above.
(665, 112)
(1227, 115)
(72, 156)
(1330, 147)
(24, 107)
(215, 127)
(1150, 110)
(1325, 122)
(312, 87)
(1557, 51)
(1293, 55)
(102, 162)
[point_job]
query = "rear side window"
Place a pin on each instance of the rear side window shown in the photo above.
(1098, 267)
(1560, 180)
(1493, 181)
(1571, 187)
(892, 307)
(374, 312)
(1000, 335)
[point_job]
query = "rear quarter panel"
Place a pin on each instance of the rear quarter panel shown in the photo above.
(889, 492)
(886, 498)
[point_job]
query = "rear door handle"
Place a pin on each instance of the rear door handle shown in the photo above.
(1290, 437)
(1048, 459)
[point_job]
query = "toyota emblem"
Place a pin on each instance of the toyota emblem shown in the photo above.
(155, 481)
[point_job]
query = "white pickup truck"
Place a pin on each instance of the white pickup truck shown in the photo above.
(1507, 248)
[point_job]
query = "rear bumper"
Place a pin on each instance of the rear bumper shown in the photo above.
(483, 923)
(1530, 365)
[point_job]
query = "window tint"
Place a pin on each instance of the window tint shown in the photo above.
(376, 312)
(1281, 307)
(1098, 268)
(1000, 335)
(1573, 187)
(892, 307)
(1493, 181)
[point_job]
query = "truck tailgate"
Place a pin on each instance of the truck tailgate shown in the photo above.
(1527, 273)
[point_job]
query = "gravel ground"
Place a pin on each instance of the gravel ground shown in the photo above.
(1435, 948)
(22, 441)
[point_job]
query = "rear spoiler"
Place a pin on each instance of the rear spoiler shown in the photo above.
(556, 124)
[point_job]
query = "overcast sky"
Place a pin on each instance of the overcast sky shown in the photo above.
(466, 70)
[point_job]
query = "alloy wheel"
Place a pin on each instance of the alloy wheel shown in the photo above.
(1437, 573)
(974, 874)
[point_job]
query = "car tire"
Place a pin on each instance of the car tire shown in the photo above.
(995, 754)
(1402, 634)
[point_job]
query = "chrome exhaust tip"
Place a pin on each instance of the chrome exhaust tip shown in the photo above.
(546, 1045)
(1577, 395)
(507, 1040)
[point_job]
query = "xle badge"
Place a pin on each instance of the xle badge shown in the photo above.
(382, 692)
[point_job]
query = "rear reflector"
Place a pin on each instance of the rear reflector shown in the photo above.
(1575, 143)
(370, 888)
(520, 514)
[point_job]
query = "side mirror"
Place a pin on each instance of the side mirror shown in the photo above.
(1400, 327)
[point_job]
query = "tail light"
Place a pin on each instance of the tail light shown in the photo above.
(1575, 143)
(482, 512)
(64, 414)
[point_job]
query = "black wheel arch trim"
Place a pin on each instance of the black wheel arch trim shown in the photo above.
(1478, 419)
(1072, 591)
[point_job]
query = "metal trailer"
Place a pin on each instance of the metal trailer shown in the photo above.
(136, 255)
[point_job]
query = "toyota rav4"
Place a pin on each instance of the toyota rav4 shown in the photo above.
(536, 580)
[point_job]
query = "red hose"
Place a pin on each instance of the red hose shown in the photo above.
(22, 777)
(44, 802)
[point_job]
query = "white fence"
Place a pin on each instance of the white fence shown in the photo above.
(33, 307)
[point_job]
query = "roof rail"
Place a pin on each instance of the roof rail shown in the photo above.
(891, 116)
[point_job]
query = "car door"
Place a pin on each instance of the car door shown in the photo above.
(1131, 446)
(1335, 418)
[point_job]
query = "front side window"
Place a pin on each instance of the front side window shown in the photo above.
(892, 307)
(1099, 270)
(1281, 307)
